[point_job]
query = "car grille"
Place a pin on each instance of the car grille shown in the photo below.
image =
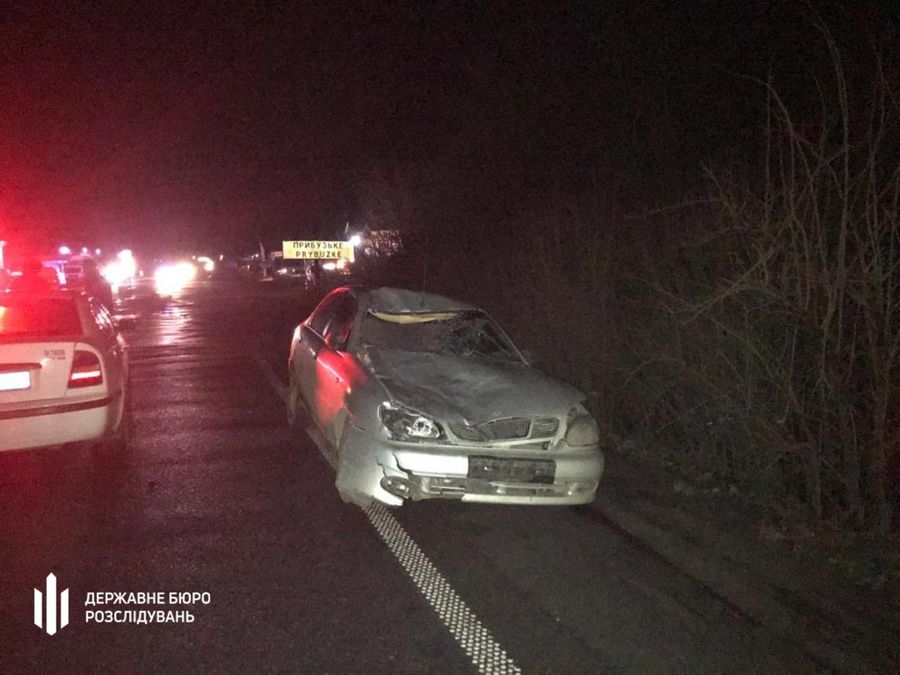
(544, 427)
(466, 432)
(507, 429)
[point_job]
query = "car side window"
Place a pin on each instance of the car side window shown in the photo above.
(322, 315)
(341, 320)
(102, 318)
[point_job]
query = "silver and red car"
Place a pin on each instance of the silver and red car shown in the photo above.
(422, 397)
(63, 371)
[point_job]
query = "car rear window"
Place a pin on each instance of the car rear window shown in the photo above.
(38, 316)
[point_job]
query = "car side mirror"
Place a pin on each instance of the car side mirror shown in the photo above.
(333, 342)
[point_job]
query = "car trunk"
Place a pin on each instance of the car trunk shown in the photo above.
(34, 371)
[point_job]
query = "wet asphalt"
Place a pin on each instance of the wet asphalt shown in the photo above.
(216, 494)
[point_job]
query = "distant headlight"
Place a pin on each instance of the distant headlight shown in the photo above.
(582, 431)
(403, 424)
(170, 279)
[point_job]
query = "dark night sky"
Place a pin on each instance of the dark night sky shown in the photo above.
(160, 125)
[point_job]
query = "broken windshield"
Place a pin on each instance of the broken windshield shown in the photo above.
(471, 334)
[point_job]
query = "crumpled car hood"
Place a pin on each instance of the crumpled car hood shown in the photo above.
(475, 391)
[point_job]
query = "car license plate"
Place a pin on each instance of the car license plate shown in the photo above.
(512, 470)
(15, 380)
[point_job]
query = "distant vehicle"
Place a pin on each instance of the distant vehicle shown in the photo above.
(70, 271)
(35, 277)
(424, 397)
(59, 268)
(292, 272)
(73, 269)
(63, 371)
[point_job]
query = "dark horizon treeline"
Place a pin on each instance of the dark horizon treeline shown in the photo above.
(175, 127)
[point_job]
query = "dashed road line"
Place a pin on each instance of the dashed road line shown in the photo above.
(273, 379)
(479, 645)
(486, 654)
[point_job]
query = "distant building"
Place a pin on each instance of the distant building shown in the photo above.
(382, 243)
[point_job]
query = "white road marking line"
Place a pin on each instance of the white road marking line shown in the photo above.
(276, 384)
(488, 657)
(479, 645)
(281, 390)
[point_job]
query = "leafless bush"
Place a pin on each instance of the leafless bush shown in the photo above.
(753, 332)
(797, 348)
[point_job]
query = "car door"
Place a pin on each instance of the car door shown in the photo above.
(334, 367)
(309, 341)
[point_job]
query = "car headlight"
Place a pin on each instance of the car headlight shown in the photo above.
(403, 424)
(582, 430)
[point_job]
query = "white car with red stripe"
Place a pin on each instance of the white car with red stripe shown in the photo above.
(63, 371)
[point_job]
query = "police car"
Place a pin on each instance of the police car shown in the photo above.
(63, 371)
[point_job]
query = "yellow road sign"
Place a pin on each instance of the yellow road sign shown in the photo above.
(317, 250)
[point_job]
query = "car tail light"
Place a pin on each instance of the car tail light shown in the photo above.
(86, 370)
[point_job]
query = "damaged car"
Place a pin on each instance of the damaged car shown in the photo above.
(421, 397)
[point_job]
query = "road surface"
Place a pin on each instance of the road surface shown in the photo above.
(217, 495)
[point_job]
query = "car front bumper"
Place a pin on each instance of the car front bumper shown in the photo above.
(372, 467)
